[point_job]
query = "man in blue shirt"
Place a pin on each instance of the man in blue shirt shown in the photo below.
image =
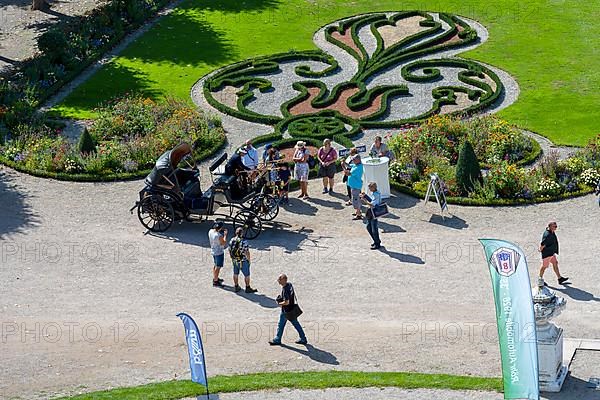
(355, 183)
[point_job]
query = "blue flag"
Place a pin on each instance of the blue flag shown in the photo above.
(195, 349)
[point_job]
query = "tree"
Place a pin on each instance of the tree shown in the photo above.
(39, 5)
(467, 168)
(86, 144)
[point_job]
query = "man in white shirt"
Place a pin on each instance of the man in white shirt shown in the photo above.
(217, 237)
(250, 160)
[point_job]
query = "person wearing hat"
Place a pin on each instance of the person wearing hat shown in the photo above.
(235, 164)
(250, 159)
(217, 237)
(355, 183)
(301, 155)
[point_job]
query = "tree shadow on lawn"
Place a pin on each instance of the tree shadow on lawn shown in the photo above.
(15, 214)
(182, 38)
(111, 81)
(234, 6)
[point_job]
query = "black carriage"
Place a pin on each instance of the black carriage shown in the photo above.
(173, 193)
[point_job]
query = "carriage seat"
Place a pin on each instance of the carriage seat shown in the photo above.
(225, 180)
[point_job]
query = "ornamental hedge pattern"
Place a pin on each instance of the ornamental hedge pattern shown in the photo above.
(379, 70)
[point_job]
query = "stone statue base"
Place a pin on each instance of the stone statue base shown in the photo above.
(552, 372)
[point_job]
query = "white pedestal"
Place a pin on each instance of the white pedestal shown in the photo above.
(379, 173)
(550, 357)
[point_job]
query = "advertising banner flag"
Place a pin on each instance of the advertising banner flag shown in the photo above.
(195, 349)
(515, 318)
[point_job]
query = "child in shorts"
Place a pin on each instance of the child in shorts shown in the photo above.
(283, 180)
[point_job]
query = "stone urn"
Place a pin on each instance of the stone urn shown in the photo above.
(547, 305)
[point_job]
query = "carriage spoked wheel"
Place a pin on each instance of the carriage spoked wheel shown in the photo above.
(156, 213)
(249, 222)
(265, 206)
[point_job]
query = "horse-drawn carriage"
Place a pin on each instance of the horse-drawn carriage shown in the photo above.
(172, 192)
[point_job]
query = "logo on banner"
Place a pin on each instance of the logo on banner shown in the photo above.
(505, 261)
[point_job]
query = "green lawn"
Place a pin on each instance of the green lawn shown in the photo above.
(550, 47)
(172, 390)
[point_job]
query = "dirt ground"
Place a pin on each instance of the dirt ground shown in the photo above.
(88, 299)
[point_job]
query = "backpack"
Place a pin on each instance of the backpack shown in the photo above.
(312, 161)
(235, 249)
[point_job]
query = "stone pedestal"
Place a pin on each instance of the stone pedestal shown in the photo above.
(552, 372)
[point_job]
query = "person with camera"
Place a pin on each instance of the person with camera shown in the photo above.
(217, 236)
(372, 199)
(355, 183)
(240, 256)
(290, 311)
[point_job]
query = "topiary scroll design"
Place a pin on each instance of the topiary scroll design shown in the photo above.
(378, 70)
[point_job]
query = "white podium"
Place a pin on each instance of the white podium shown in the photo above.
(377, 170)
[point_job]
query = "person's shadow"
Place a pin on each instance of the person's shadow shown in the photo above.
(406, 258)
(315, 354)
(260, 299)
(576, 293)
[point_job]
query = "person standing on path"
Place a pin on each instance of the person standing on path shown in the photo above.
(217, 237)
(549, 250)
(287, 301)
(372, 199)
(355, 183)
(327, 156)
(301, 169)
(346, 166)
(240, 256)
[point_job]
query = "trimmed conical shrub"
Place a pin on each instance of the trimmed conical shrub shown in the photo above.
(86, 144)
(467, 168)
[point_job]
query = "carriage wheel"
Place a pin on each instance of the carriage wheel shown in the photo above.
(155, 213)
(249, 222)
(265, 206)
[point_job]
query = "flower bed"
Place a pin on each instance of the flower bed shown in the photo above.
(65, 50)
(127, 138)
(502, 150)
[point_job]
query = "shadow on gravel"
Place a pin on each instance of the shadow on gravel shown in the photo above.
(260, 299)
(321, 356)
(405, 258)
(401, 201)
(573, 388)
(389, 228)
(454, 222)
(576, 293)
(15, 212)
(335, 205)
(302, 207)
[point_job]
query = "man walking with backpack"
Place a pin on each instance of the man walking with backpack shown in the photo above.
(240, 256)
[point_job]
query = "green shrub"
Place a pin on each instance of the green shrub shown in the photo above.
(86, 143)
(467, 169)
(54, 45)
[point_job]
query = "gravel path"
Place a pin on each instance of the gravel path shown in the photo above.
(353, 394)
(20, 26)
(92, 298)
